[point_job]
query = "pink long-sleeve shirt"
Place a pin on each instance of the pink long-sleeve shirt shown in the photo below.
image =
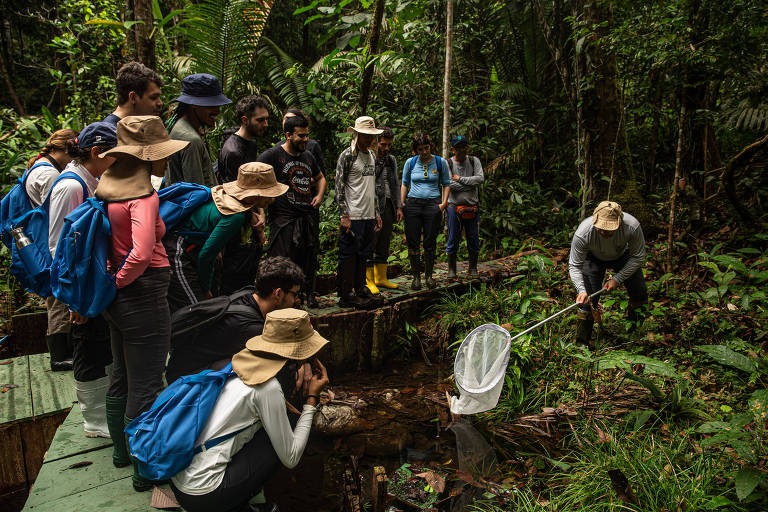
(136, 226)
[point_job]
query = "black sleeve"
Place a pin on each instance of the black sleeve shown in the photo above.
(317, 152)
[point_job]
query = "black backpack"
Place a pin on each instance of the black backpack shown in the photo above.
(189, 319)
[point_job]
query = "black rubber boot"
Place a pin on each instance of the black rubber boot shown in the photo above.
(429, 265)
(345, 280)
(636, 313)
(472, 270)
(452, 265)
(366, 299)
(115, 411)
(585, 321)
(58, 347)
(415, 270)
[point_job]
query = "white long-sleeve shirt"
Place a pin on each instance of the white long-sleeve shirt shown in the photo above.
(39, 182)
(629, 237)
(239, 406)
(65, 197)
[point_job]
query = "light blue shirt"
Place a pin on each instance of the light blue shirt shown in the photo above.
(429, 187)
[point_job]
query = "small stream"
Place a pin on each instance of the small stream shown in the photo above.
(399, 421)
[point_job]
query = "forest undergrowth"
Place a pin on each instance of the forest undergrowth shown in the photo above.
(669, 415)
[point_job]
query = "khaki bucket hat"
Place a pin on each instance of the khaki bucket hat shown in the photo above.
(254, 180)
(145, 138)
(607, 216)
(365, 124)
(288, 334)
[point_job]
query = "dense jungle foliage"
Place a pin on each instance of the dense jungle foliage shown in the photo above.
(657, 105)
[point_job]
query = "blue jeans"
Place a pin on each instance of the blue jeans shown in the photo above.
(471, 228)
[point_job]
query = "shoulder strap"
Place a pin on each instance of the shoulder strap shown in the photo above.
(438, 164)
(412, 163)
(450, 164)
(72, 176)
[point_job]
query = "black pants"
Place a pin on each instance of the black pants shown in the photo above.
(422, 216)
(92, 350)
(140, 332)
(594, 273)
(355, 245)
(245, 476)
(382, 237)
(291, 241)
(184, 288)
(240, 264)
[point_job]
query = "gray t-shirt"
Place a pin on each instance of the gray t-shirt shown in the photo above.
(361, 187)
(471, 177)
(629, 237)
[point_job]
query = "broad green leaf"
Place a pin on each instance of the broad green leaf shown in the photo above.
(713, 426)
(746, 481)
(306, 7)
(745, 450)
(728, 357)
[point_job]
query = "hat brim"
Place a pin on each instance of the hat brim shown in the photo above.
(298, 350)
(230, 205)
(367, 131)
(151, 152)
(254, 369)
(204, 101)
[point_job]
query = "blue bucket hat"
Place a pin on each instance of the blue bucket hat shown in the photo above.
(459, 139)
(101, 134)
(203, 90)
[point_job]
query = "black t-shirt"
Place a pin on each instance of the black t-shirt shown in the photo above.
(313, 147)
(297, 172)
(235, 152)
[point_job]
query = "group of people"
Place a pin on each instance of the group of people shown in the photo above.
(217, 250)
(123, 160)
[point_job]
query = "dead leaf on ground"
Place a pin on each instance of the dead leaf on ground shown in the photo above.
(7, 362)
(434, 480)
(8, 387)
(163, 499)
(602, 437)
(621, 486)
(78, 465)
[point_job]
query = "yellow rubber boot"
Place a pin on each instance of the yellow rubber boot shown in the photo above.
(380, 273)
(369, 280)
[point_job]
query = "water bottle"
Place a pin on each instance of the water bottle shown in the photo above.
(21, 239)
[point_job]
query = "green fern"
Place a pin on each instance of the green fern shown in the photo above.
(224, 38)
(286, 74)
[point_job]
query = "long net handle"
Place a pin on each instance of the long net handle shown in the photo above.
(555, 315)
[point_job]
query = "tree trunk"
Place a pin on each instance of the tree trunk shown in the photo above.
(673, 198)
(11, 90)
(145, 46)
(373, 49)
(604, 150)
(447, 80)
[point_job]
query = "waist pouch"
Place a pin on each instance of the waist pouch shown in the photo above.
(466, 211)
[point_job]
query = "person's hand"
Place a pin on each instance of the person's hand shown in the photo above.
(611, 285)
(582, 298)
(319, 379)
(399, 215)
(261, 236)
(316, 201)
(455, 177)
(219, 258)
(346, 224)
(303, 376)
(208, 294)
(378, 224)
(442, 207)
(77, 318)
(257, 221)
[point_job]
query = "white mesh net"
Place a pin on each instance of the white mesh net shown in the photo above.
(479, 369)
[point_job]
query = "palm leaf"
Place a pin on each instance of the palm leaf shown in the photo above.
(285, 73)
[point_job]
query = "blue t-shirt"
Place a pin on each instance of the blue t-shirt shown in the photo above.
(429, 187)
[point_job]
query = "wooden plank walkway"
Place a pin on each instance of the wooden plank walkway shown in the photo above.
(40, 391)
(78, 474)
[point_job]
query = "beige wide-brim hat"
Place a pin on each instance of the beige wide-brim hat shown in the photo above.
(254, 180)
(607, 216)
(146, 138)
(365, 124)
(288, 334)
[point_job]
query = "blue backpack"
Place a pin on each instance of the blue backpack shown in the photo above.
(179, 200)
(31, 263)
(162, 439)
(15, 204)
(79, 274)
